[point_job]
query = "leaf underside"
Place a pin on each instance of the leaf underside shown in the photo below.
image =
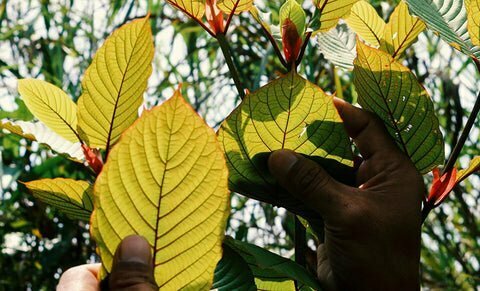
(390, 90)
(288, 113)
(71, 197)
(365, 21)
(338, 46)
(227, 6)
(166, 180)
(114, 84)
(473, 19)
(193, 8)
(331, 11)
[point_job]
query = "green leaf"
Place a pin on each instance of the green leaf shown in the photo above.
(233, 273)
(338, 46)
(365, 21)
(294, 12)
(240, 6)
(271, 269)
(391, 90)
(37, 131)
(51, 105)
(288, 113)
(447, 18)
(166, 180)
(114, 84)
(330, 11)
(71, 197)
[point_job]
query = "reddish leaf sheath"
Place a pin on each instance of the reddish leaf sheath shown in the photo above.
(93, 158)
(291, 40)
(441, 186)
(214, 17)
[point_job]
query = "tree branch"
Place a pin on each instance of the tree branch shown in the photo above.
(225, 47)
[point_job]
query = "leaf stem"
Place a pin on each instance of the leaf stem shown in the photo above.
(230, 16)
(277, 50)
(300, 244)
(304, 48)
(225, 47)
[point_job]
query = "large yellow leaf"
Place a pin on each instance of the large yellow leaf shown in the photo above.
(114, 84)
(472, 168)
(401, 31)
(193, 8)
(391, 90)
(71, 197)
(473, 18)
(288, 113)
(166, 180)
(37, 131)
(227, 6)
(51, 105)
(365, 21)
(330, 11)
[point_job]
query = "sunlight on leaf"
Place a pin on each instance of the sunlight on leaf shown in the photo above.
(401, 31)
(293, 12)
(51, 105)
(473, 167)
(330, 11)
(37, 131)
(365, 21)
(338, 46)
(288, 113)
(166, 180)
(114, 84)
(473, 16)
(391, 90)
(71, 197)
(193, 8)
(227, 6)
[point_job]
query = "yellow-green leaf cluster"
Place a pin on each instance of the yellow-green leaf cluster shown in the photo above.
(365, 21)
(473, 16)
(166, 179)
(114, 84)
(330, 11)
(193, 8)
(71, 197)
(240, 6)
(473, 167)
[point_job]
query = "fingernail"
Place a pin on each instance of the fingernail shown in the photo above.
(339, 103)
(281, 162)
(135, 249)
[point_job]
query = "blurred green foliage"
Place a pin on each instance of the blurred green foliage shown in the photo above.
(55, 41)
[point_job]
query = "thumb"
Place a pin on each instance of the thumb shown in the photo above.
(306, 180)
(132, 266)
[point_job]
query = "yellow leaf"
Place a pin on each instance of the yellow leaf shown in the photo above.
(473, 18)
(472, 168)
(240, 6)
(401, 31)
(51, 105)
(71, 197)
(114, 84)
(331, 11)
(193, 8)
(166, 180)
(365, 21)
(37, 131)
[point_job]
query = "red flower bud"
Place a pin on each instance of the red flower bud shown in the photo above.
(441, 186)
(94, 158)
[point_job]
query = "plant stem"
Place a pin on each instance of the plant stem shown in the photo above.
(300, 242)
(225, 47)
(304, 47)
(277, 50)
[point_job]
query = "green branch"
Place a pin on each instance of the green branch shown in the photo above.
(225, 47)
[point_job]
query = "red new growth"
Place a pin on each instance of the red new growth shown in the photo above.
(93, 158)
(214, 17)
(441, 186)
(292, 42)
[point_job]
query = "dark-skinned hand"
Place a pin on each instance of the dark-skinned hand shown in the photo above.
(372, 231)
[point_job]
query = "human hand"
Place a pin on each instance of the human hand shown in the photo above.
(372, 232)
(132, 270)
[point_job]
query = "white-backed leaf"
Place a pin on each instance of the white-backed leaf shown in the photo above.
(338, 46)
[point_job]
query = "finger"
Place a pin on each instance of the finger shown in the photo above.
(324, 271)
(366, 130)
(132, 266)
(80, 278)
(306, 180)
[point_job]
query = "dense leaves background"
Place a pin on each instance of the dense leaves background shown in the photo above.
(55, 41)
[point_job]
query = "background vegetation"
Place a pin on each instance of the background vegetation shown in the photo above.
(55, 39)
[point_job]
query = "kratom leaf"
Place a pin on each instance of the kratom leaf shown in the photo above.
(338, 46)
(447, 18)
(114, 84)
(472, 168)
(262, 18)
(271, 269)
(51, 105)
(166, 180)
(330, 11)
(293, 12)
(473, 19)
(365, 21)
(391, 90)
(288, 113)
(401, 31)
(240, 6)
(193, 8)
(37, 131)
(233, 273)
(71, 197)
